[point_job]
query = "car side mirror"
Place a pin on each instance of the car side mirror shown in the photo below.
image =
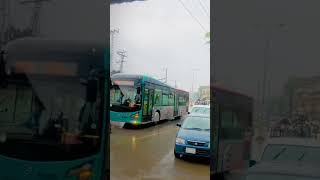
(179, 125)
(252, 163)
(188, 112)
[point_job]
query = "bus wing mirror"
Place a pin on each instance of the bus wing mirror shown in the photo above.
(92, 90)
(179, 124)
(3, 74)
(252, 163)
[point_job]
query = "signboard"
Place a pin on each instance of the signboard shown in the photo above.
(46, 68)
(123, 83)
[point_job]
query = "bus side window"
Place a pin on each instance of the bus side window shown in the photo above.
(165, 99)
(157, 98)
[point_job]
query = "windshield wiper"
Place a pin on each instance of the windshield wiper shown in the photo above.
(277, 155)
(194, 129)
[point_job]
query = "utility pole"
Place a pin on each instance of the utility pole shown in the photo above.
(122, 55)
(113, 32)
(166, 75)
(268, 30)
(4, 10)
(193, 78)
(35, 19)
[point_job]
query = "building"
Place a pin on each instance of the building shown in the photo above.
(204, 93)
(304, 96)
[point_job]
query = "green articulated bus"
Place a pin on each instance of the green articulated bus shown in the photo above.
(139, 99)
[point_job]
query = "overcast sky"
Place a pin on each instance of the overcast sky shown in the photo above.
(159, 34)
(239, 48)
(71, 19)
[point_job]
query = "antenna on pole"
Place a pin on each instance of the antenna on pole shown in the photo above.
(122, 54)
(35, 19)
(112, 33)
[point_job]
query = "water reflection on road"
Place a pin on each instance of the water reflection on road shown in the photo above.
(148, 154)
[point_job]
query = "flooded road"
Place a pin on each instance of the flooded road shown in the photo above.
(147, 154)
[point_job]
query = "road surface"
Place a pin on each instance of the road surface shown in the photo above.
(147, 154)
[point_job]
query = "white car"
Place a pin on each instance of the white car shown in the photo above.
(292, 149)
(284, 171)
(200, 109)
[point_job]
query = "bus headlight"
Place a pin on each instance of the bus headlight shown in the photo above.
(135, 116)
(85, 175)
(83, 172)
(180, 141)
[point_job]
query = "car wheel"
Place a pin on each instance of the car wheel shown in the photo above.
(177, 155)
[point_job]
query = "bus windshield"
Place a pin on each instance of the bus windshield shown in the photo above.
(124, 98)
(50, 117)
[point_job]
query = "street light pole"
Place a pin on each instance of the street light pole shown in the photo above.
(268, 30)
(193, 79)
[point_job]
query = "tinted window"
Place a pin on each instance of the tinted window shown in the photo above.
(291, 153)
(201, 123)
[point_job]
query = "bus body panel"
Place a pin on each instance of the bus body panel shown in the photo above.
(125, 116)
(15, 169)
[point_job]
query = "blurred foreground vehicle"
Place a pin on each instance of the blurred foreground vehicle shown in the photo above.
(53, 99)
(284, 171)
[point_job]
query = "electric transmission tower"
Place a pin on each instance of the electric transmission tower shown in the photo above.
(122, 55)
(35, 19)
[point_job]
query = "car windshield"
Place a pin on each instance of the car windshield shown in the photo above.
(49, 117)
(201, 110)
(291, 153)
(125, 98)
(278, 177)
(196, 123)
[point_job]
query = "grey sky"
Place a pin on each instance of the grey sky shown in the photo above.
(72, 19)
(239, 48)
(160, 33)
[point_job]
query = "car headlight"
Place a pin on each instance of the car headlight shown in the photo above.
(180, 141)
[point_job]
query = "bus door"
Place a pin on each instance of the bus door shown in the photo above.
(148, 103)
(176, 105)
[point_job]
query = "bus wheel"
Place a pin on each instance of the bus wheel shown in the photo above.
(156, 118)
(219, 176)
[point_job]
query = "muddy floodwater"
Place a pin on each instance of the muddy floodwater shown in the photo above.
(147, 154)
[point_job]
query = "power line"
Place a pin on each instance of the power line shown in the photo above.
(184, 6)
(204, 9)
